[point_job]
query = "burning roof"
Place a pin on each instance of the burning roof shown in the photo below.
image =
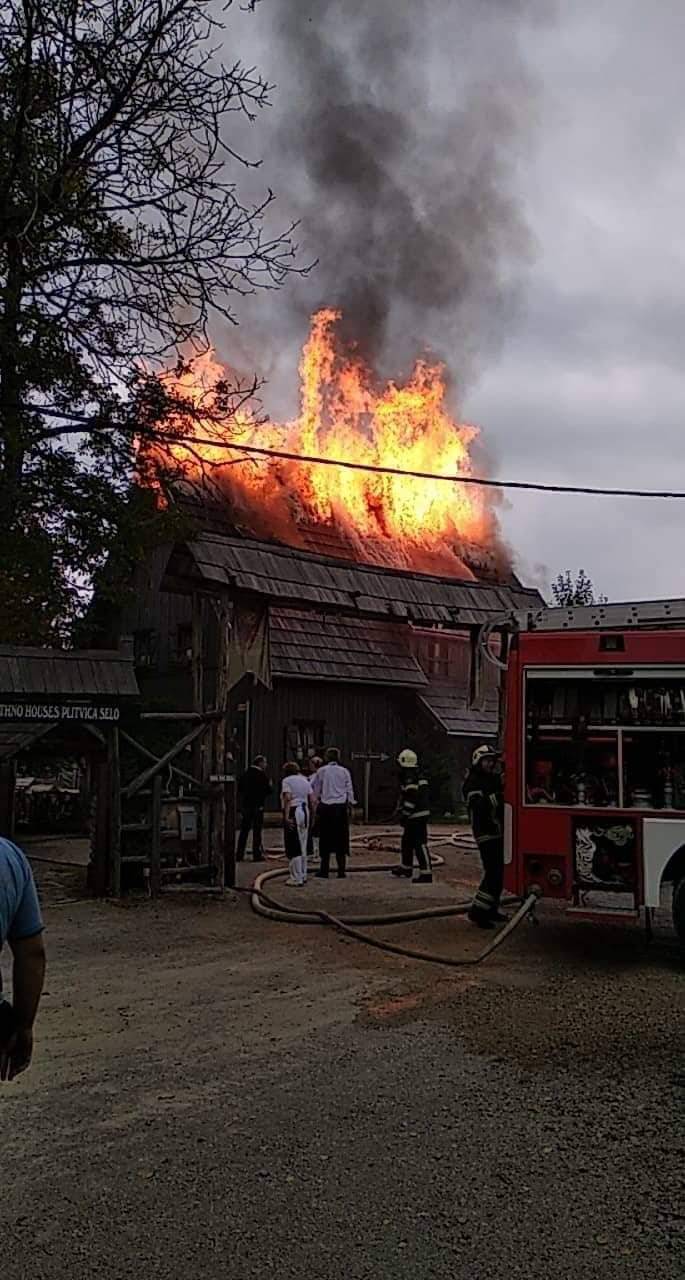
(398, 521)
(290, 577)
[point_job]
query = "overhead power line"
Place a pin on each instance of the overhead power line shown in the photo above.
(538, 486)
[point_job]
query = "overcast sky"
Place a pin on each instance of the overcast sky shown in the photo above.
(583, 380)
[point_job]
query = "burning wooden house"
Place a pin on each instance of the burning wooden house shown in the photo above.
(322, 651)
(322, 604)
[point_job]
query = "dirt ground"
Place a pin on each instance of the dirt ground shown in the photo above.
(218, 1095)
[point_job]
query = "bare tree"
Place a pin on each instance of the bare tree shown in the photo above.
(122, 236)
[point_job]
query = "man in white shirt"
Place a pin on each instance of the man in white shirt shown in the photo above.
(332, 787)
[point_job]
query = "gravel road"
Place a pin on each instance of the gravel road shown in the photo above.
(218, 1096)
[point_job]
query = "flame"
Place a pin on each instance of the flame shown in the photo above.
(344, 415)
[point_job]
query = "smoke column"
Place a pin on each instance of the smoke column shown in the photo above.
(394, 138)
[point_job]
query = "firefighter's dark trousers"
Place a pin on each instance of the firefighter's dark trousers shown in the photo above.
(415, 845)
(486, 900)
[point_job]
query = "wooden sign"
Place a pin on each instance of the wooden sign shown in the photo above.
(53, 712)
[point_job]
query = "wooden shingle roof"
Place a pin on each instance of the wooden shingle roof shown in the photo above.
(450, 707)
(316, 646)
(286, 576)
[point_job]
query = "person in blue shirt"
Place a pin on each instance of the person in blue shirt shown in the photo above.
(21, 926)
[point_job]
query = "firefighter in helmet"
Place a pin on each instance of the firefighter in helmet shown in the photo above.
(414, 811)
(484, 800)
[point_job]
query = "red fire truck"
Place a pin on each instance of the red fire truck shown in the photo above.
(594, 742)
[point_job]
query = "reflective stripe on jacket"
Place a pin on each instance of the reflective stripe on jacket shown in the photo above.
(414, 799)
(484, 801)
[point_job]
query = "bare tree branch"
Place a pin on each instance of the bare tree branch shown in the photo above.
(123, 238)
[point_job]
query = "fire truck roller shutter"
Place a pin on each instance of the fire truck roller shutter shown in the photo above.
(508, 834)
(662, 840)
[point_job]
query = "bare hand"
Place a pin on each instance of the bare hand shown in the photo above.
(16, 1053)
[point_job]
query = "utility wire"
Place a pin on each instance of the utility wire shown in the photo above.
(593, 490)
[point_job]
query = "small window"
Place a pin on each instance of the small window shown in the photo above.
(436, 658)
(183, 653)
(145, 648)
(442, 655)
(303, 739)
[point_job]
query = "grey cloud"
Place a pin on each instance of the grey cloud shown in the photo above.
(591, 387)
(597, 332)
(589, 383)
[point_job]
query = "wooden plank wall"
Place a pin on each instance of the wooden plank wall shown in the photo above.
(148, 608)
(355, 719)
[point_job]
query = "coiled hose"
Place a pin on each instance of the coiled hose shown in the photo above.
(263, 905)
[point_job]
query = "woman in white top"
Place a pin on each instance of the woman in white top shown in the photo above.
(296, 801)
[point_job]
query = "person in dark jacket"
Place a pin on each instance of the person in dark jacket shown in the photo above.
(254, 786)
(414, 810)
(485, 803)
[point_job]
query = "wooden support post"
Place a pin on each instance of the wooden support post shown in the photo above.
(114, 787)
(99, 836)
(8, 775)
(206, 803)
(202, 763)
(218, 808)
(197, 668)
(223, 858)
(367, 789)
(174, 715)
(230, 826)
(156, 838)
(475, 668)
(368, 757)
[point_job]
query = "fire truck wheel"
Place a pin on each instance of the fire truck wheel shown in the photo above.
(679, 909)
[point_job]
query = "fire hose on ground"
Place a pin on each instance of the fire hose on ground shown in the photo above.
(352, 926)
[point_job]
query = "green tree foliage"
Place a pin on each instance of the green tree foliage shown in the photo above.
(567, 590)
(122, 234)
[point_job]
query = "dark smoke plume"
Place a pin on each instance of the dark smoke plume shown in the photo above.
(398, 126)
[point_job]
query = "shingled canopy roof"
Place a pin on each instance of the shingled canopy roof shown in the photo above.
(86, 674)
(285, 576)
(450, 707)
(311, 646)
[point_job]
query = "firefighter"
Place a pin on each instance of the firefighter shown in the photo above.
(484, 801)
(414, 813)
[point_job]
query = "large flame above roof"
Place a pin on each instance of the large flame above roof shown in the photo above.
(429, 525)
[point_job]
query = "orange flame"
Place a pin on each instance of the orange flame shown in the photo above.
(395, 519)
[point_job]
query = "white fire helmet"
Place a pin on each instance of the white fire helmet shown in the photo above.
(408, 759)
(481, 752)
